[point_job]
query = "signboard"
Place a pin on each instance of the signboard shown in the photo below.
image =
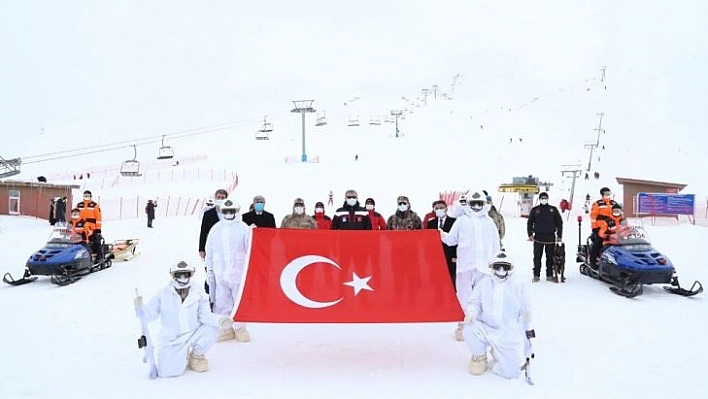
(665, 204)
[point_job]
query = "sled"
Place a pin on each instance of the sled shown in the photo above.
(124, 250)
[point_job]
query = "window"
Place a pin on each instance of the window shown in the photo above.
(14, 204)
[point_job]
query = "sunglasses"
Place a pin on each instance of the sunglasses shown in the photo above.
(183, 274)
(502, 266)
(477, 204)
(402, 203)
(351, 197)
(228, 211)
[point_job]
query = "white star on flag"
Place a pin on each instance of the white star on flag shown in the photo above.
(359, 283)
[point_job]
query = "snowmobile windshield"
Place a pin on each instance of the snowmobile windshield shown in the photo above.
(64, 237)
(632, 235)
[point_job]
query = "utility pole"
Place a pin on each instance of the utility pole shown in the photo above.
(397, 113)
(574, 171)
(596, 144)
(303, 107)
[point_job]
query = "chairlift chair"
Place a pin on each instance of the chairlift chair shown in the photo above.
(263, 132)
(321, 119)
(375, 120)
(165, 151)
(131, 167)
(353, 121)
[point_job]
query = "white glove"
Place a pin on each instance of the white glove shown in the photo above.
(138, 301)
(211, 282)
(225, 322)
(253, 226)
(469, 319)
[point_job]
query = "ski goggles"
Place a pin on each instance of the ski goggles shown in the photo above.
(476, 204)
(182, 275)
(502, 266)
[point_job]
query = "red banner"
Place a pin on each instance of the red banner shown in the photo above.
(340, 276)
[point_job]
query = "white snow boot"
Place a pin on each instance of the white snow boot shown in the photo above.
(242, 335)
(226, 335)
(458, 332)
(478, 365)
(198, 363)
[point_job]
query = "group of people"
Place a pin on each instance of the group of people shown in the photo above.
(496, 303)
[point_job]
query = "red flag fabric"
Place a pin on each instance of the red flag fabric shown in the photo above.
(344, 276)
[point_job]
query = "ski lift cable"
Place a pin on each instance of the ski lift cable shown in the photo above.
(140, 142)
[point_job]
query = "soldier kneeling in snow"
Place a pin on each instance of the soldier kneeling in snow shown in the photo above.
(189, 328)
(499, 314)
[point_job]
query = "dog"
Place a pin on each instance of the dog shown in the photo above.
(559, 262)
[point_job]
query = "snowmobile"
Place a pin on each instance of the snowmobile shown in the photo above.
(630, 262)
(66, 257)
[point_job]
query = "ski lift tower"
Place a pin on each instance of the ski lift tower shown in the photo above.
(397, 113)
(303, 107)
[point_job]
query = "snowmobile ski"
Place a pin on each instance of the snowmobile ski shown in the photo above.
(7, 279)
(676, 288)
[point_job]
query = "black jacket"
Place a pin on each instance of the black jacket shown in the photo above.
(265, 219)
(150, 210)
(545, 223)
(351, 218)
(209, 219)
(450, 251)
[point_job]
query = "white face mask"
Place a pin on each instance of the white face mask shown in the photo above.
(543, 201)
(616, 213)
(319, 210)
(403, 208)
(219, 202)
(440, 213)
(299, 210)
(351, 201)
(369, 207)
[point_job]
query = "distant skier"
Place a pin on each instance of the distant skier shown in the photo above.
(330, 198)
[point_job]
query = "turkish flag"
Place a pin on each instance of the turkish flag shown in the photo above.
(345, 276)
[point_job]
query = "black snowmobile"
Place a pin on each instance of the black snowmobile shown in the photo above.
(66, 257)
(630, 263)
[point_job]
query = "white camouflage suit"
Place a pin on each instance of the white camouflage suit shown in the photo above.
(188, 324)
(226, 248)
(501, 312)
(477, 240)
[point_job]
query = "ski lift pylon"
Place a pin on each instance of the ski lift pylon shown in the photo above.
(165, 151)
(131, 167)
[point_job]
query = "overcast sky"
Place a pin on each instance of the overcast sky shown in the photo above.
(89, 72)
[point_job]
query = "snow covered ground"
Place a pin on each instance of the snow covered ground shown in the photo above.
(200, 66)
(79, 340)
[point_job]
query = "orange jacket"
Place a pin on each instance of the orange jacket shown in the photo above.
(607, 226)
(90, 212)
(82, 227)
(600, 207)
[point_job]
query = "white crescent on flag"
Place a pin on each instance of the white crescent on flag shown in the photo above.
(289, 275)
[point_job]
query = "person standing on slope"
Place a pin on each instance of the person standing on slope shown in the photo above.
(226, 248)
